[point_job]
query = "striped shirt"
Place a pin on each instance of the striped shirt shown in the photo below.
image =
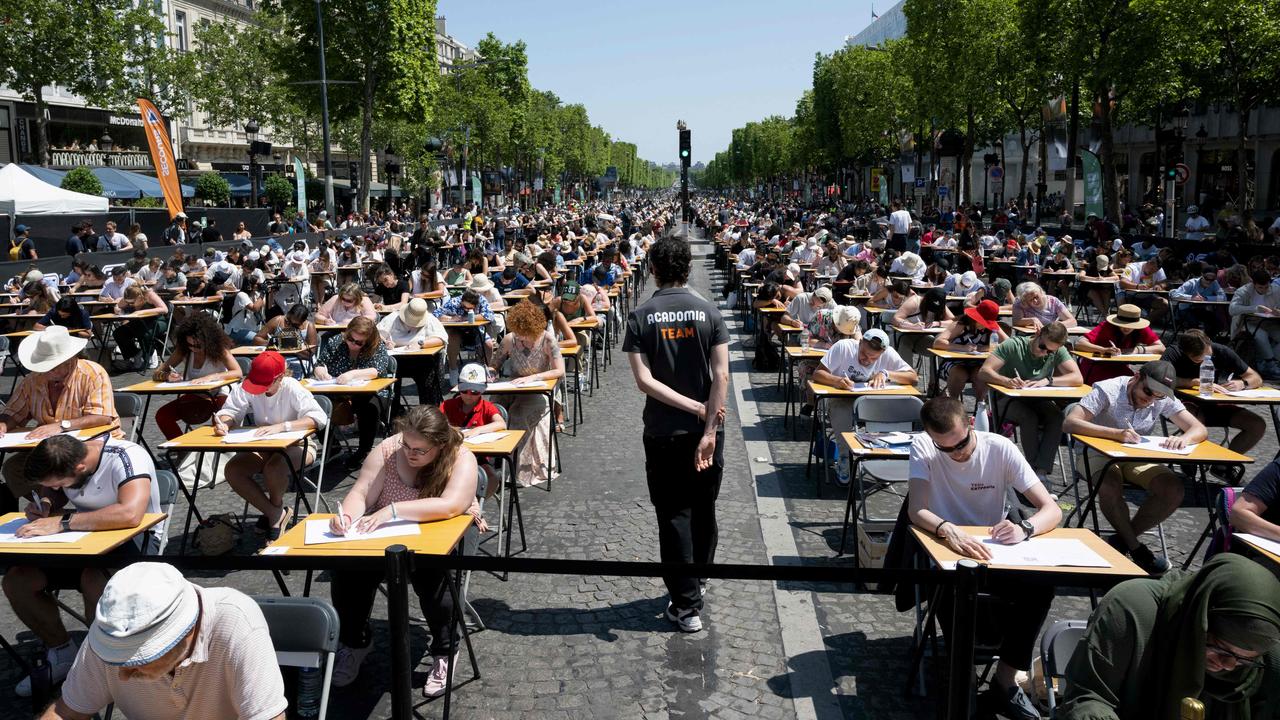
(86, 392)
(231, 673)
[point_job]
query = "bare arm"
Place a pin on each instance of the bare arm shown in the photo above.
(59, 711)
(660, 391)
(1068, 375)
(1246, 516)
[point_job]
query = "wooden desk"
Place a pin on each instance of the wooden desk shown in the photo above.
(818, 433)
(98, 542)
(545, 387)
(83, 434)
(371, 387)
(855, 501)
(434, 538)
(479, 322)
(110, 320)
(151, 388)
(1274, 558)
(255, 350)
(507, 447)
(791, 355)
(1121, 566)
(1068, 394)
(1130, 359)
(1073, 331)
(1272, 403)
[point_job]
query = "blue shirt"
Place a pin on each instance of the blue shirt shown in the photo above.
(75, 323)
(453, 308)
(519, 282)
(1192, 288)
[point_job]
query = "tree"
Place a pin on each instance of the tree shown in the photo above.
(82, 180)
(74, 44)
(213, 188)
(278, 190)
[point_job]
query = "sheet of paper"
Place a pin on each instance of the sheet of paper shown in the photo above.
(488, 437)
(184, 383)
(275, 550)
(14, 439)
(1053, 389)
(1152, 443)
(1041, 552)
(8, 530)
(1270, 546)
(318, 532)
(1256, 393)
(246, 435)
(334, 383)
(404, 350)
(886, 386)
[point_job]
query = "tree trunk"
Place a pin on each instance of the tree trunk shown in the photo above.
(366, 140)
(1110, 179)
(1042, 176)
(1242, 175)
(42, 127)
(1022, 176)
(1073, 131)
(964, 194)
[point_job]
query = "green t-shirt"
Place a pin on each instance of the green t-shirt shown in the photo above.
(1017, 357)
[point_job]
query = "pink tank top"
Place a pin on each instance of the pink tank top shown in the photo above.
(394, 489)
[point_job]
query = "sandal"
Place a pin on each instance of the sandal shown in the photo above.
(278, 528)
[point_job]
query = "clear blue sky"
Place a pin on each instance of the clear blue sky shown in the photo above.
(640, 66)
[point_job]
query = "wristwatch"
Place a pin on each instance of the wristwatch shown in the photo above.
(65, 425)
(66, 521)
(1028, 528)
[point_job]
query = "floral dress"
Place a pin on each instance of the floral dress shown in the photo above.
(529, 412)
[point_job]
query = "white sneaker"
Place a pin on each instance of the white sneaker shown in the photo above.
(842, 473)
(687, 620)
(438, 676)
(347, 662)
(58, 671)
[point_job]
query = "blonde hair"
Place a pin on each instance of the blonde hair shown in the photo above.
(428, 422)
(351, 290)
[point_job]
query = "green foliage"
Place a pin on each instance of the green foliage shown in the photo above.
(149, 202)
(82, 180)
(213, 188)
(278, 190)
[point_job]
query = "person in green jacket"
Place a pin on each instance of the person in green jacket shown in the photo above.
(1213, 635)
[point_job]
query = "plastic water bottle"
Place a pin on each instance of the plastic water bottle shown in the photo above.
(804, 337)
(1207, 376)
(995, 339)
(309, 686)
(981, 422)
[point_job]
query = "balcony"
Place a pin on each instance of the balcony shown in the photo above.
(97, 158)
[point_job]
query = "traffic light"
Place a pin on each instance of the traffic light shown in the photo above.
(1171, 173)
(685, 147)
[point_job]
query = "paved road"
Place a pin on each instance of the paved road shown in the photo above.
(597, 647)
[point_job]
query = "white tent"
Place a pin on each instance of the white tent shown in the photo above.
(22, 193)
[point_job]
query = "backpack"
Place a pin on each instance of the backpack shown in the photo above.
(1244, 345)
(15, 250)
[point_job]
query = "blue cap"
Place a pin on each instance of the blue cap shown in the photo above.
(20, 229)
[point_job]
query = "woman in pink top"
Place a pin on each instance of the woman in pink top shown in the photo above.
(422, 473)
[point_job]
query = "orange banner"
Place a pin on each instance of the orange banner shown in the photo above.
(162, 156)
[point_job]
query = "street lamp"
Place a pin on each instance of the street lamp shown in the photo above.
(106, 144)
(251, 133)
(392, 165)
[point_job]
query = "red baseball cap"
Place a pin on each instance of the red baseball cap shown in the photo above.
(263, 371)
(986, 314)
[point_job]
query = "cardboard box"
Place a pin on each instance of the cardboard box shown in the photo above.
(873, 543)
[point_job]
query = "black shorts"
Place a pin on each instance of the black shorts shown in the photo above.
(68, 578)
(1214, 414)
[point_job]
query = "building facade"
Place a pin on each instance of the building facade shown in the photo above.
(450, 51)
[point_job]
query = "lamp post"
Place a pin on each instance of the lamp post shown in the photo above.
(392, 165)
(251, 133)
(106, 144)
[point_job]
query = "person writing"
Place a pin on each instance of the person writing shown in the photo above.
(961, 476)
(354, 357)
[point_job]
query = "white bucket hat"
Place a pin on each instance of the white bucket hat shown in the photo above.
(967, 281)
(145, 611)
(49, 348)
(847, 319)
(911, 262)
(414, 313)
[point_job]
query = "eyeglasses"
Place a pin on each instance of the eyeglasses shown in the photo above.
(958, 446)
(1224, 653)
(416, 452)
(359, 342)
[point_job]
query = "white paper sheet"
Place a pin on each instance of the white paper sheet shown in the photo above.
(184, 383)
(334, 383)
(1041, 552)
(509, 385)
(318, 532)
(8, 529)
(886, 386)
(1270, 546)
(483, 438)
(14, 439)
(1256, 393)
(1052, 389)
(246, 435)
(1152, 443)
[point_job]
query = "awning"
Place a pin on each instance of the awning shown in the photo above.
(239, 183)
(117, 184)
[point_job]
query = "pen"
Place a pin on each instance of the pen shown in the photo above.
(35, 497)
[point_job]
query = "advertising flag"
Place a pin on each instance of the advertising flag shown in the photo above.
(161, 156)
(300, 176)
(1092, 183)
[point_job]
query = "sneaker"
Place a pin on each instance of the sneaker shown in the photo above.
(806, 409)
(1225, 473)
(1151, 563)
(347, 662)
(687, 620)
(842, 473)
(1013, 703)
(438, 676)
(57, 673)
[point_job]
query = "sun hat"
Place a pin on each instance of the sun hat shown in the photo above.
(481, 283)
(145, 610)
(413, 313)
(566, 246)
(473, 376)
(1128, 316)
(1103, 262)
(877, 336)
(824, 294)
(262, 372)
(911, 262)
(986, 314)
(1159, 376)
(967, 282)
(812, 242)
(34, 276)
(46, 349)
(847, 319)
(297, 257)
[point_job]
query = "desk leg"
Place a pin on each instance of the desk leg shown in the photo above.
(456, 626)
(786, 390)
(190, 495)
(850, 509)
(554, 464)
(1202, 483)
(1089, 504)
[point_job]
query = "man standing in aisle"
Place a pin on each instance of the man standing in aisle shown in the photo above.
(677, 344)
(900, 225)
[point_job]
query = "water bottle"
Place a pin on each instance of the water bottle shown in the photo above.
(995, 339)
(1207, 376)
(309, 685)
(981, 422)
(804, 337)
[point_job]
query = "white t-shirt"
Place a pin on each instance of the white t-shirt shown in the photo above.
(400, 334)
(241, 317)
(121, 462)
(841, 360)
(115, 290)
(1134, 273)
(1196, 225)
(291, 402)
(900, 220)
(972, 492)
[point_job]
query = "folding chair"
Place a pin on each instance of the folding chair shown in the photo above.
(304, 631)
(129, 406)
(1056, 647)
(168, 486)
(883, 414)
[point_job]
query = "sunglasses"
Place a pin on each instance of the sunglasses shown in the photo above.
(958, 446)
(1151, 393)
(1224, 653)
(470, 392)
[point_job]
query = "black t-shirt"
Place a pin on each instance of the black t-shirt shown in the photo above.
(1225, 362)
(1265, 487)
(676, 330)
(391, 295)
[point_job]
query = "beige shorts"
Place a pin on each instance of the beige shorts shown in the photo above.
(1133, 473)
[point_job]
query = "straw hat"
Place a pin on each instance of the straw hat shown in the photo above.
(911, 262)
(49, 348)
(847, 319)
(413, 314)
(481, 283)
(1128, 316)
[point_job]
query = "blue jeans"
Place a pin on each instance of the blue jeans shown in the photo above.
(242, 336)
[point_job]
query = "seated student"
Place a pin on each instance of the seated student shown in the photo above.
(132, 335)
(921, 312)
(242, 314)
(93, 279)
(1029, 362)
(68, 313)
(1231, 373)
(215, 639)
(278, 403)
(151, 273)
(392, 291)
(355, 356)
(350, 302)
(828, 326)
(529, 352)
(509, 280)
(1201, 284)
(1123, 332)
(850, 362)
(424, 472)
(971, 332)
(414, 327)
(1145, 276)
(1060, 287)
(1256, 509)
(806, 305)
(78, 268)
(114, 288)
(171, 278)
(961, 476)
(768, 298)
(101, 484)
(456, 309)
(471, 413)
(201, 351)
(292, 331)
(1124, 409)
(1034, 309)
(1210, 635)
(427, 278)
(568, 306)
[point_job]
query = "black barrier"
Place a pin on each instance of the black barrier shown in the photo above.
(397, 575)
